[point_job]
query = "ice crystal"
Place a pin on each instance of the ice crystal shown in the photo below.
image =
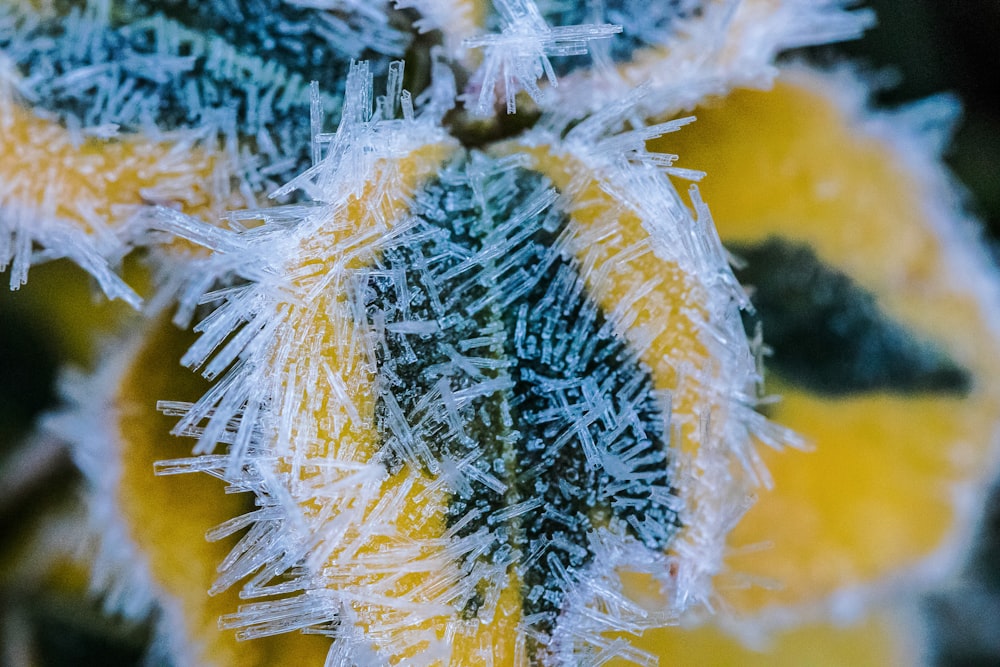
(519, 55)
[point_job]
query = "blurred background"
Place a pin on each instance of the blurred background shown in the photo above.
(952, 47)
(925, 46)
(933, 47)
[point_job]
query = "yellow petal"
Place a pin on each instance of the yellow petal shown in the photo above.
(876, 641)
(892, 483)
(151, 530)
(361, 451)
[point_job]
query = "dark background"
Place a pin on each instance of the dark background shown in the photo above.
(939, 46)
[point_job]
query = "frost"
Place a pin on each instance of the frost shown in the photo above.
(518, 56)
(686, 51)
(174, 105)
(24, 230)
(120, 571)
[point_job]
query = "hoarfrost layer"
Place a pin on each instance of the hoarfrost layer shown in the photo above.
(683, 50)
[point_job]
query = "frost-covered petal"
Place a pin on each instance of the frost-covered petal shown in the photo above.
(886, 360)
(681, 50)
(471, 392)
(106, 105)
(151, 555)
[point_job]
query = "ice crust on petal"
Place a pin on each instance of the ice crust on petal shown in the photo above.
(686, 51)
(106, 105)
(383, 355)
(147, 551)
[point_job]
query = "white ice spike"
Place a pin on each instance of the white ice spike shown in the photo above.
(519, 55)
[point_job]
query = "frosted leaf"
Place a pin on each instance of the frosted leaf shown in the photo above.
(146, 550)
(231, 73)
(885, 381)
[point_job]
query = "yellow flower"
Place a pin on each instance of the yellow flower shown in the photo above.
(497, 405)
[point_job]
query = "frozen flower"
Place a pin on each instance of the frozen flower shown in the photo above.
(496, 403)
